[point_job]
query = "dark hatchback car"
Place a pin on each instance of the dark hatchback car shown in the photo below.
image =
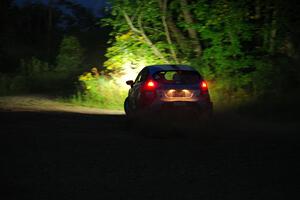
(168, 88)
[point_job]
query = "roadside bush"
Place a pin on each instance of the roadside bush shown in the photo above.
(18, 85)
(4, 84)
(99, 91)
(40, 77)
(13, 85)
(33, 67)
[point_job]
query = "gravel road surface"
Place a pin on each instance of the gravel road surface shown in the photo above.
(96, 154)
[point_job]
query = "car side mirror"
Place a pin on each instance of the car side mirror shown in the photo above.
(130, 82)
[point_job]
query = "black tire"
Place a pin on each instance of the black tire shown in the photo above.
(126, 107)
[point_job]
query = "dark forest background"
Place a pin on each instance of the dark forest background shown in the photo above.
(39, 40)
(37, 29)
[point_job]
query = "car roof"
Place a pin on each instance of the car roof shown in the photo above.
(156, 68)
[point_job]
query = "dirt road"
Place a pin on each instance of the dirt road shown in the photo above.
(93, 154)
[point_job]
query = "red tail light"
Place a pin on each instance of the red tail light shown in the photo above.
(150, 85)
(203, 86)
(148, 92)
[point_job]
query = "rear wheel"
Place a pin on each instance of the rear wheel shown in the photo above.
(126, 107)
(131, 115)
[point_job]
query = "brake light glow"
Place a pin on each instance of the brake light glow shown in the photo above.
(203, 85)
(150, 85)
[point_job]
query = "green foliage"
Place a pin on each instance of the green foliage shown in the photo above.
(33, 67)
(25, 80)
(224, 59)
(239, 41)
(37, 76)
(13, 84)
(129, 44)
(19, 84)
(99, 91)
(4, 84)
(128, 53)
(70, 55)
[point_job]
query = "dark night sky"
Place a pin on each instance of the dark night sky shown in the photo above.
(95, 5)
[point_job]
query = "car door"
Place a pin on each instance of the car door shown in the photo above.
(136, 88)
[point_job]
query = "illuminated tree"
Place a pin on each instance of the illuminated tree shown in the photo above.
(231, 42)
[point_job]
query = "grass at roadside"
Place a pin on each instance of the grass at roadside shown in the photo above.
(91, 103)
(100, 92)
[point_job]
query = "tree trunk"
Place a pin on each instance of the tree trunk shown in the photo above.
(266, 28)
(163, 7)
(192, 33)
(273, 32)
(257, 9)
(177, 34)
(142, 33)
(49, 29)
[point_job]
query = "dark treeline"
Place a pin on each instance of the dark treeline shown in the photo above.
(36, 29)
(45, 46)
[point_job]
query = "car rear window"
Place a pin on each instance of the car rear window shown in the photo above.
(177, 77)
